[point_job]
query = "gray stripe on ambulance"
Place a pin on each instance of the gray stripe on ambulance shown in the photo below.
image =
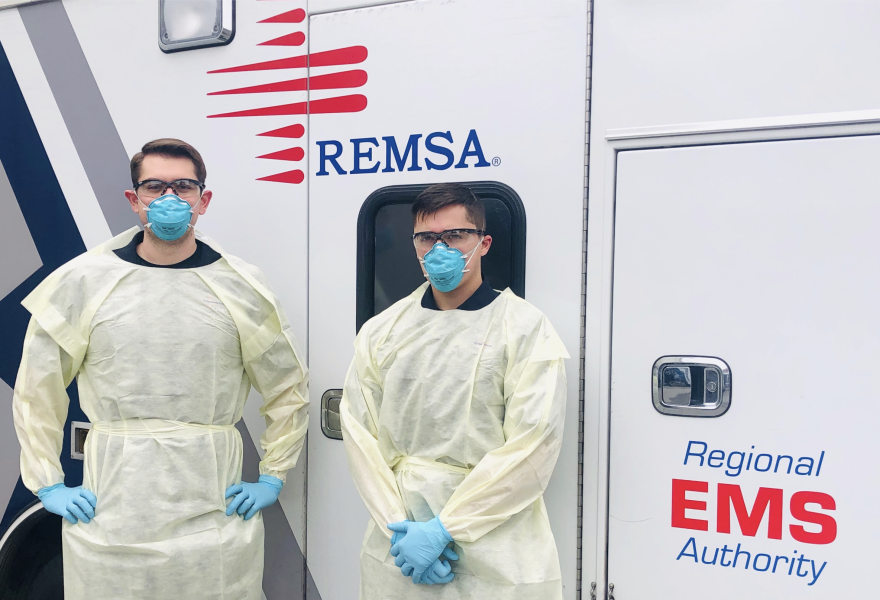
(283, 573)
(15, 240)
(88, 121)
(9, 447)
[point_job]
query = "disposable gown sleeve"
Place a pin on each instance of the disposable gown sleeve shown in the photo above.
(515, 475)
(271, 359)
(374, 479)
(281, 377)
(39, 406)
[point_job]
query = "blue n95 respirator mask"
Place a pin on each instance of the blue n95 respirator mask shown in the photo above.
(445, 266)
(169, 216)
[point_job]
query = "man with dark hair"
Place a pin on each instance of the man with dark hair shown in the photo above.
(165, 334)
(452, 418)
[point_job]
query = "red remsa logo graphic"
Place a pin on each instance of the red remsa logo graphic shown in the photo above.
(341, 80)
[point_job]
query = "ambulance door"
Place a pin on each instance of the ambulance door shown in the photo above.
(745, 340)
(489, 94)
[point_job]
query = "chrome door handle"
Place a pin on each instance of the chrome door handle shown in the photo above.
(331, 424)
(691, 386)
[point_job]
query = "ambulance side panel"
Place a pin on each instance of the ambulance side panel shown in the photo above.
(759, 254)
(510, 73)
(98, 87)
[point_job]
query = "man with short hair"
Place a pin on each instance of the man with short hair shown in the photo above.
(165, 334)
(452, 418)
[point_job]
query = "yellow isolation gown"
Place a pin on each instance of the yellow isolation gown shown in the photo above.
(164, 360)
(458, 414)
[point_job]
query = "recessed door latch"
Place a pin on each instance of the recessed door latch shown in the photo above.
(691, 386)
(78, 433)
(331, 424)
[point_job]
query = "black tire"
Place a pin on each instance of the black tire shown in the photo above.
(31, 566)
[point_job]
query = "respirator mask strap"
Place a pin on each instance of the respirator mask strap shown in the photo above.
(192, 211)
(472, 252)
(148, 225)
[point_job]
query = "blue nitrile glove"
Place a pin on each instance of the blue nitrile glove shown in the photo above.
(71, 503)
(250, 498)
(421, 545)
(440, 571)
(398, 535)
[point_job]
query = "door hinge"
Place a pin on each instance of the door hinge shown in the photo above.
(610, 591)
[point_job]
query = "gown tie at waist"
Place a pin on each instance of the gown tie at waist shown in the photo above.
(411, 462)
(157, 428)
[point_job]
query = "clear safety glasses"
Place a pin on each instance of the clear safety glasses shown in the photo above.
(460, 239)
(188, 189)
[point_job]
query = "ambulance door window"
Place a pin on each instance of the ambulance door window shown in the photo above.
(388, 269)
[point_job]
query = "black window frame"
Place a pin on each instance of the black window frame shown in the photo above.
(405, 194)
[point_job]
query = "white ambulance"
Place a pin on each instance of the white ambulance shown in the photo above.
(690, 192)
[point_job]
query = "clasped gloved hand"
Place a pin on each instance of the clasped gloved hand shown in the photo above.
(251, 498)
(71, 503)
(421, 545)
(438, 572)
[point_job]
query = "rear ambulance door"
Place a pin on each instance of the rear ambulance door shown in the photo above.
(492, 94)
(746, 270)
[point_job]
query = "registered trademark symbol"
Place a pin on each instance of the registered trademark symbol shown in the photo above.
(496, 161)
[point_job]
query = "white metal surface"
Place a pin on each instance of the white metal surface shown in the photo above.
(317, 7)
(761, 254)
(765, 128)
(5, 4)
(514, 73)
(666, 62)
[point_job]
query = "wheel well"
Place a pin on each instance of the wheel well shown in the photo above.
(31, 566)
